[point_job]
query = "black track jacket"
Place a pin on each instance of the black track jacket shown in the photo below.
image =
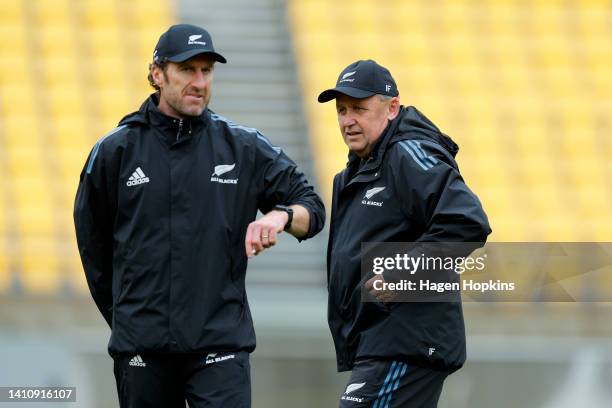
(161, 214)
(409, 190)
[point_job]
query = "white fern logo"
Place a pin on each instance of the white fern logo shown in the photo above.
(354, 387)
(222, 169)
(193, 38)
(373, 191)
(348, 74)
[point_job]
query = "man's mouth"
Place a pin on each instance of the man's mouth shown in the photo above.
(196, 97)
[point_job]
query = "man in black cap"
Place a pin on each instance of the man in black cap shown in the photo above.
(401, 184)
(165, 217)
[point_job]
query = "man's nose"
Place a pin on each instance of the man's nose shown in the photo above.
(347, 120)
(199, 80)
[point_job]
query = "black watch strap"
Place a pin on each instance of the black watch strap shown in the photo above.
(289, 212)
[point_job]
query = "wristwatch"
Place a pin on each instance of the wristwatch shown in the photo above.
(289, 212)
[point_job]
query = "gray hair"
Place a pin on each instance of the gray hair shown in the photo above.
(384, 98)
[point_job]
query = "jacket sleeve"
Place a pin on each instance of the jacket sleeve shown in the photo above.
(433, 191)
(93, 220)
(281, 182)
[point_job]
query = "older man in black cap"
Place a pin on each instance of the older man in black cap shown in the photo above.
(401, 184)
(165, 218)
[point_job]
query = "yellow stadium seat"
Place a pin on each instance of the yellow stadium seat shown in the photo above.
(460, 51)
(109, 72)
(150, 13)
(323, 53)
(66, 101)
(113, 105)
(35, 219)
(51, 12)
(18, 74)
(11, 11)
(593, 201)
(56, 40)
(313, 15)
(31, 192)
(20, 134)
(143, 43)
(70, 161)
(3, 214)
(361, 17)
(499, 17)
(24, 162)
(70, 132)
(40, 274)
(16, 33)
(104, 42)
(17, 100)
(96, 14)
(61, 71)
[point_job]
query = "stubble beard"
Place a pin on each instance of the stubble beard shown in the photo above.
(186, 110)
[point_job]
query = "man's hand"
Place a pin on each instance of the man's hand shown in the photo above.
(261, 234)
(384, 296)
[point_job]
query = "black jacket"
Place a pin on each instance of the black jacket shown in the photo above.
(424, 200)
(161, 214)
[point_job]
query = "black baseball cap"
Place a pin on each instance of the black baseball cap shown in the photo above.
(183, 41)
(362, 79)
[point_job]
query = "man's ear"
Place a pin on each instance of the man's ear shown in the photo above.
(158, 75)
(394, 107)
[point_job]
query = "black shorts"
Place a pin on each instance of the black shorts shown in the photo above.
(392, 384)
(168, 380)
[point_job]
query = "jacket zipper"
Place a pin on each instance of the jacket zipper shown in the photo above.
(179, 129)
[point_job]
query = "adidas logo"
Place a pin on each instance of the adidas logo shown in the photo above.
(136, 361)
(138, 177)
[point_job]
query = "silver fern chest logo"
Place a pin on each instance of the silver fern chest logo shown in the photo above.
(221, 170)
(371, 193)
